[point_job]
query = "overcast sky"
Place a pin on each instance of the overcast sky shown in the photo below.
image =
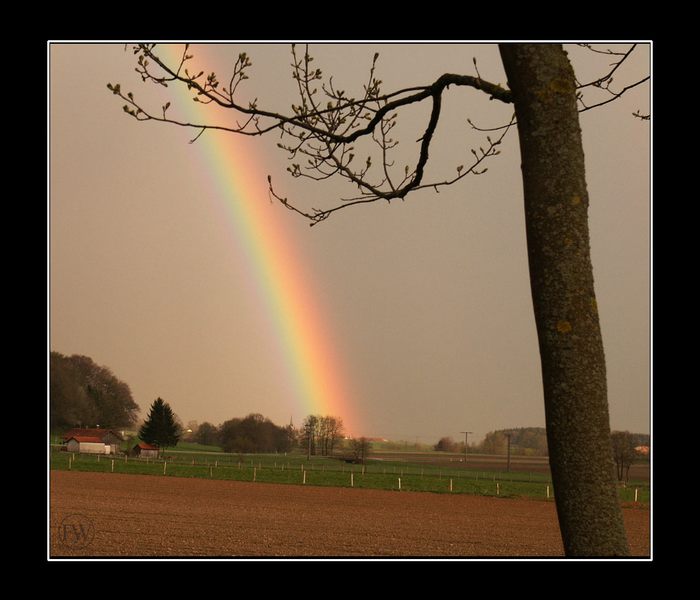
(426, 301)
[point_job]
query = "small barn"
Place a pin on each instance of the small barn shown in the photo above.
(94, 440)
(86, 444)
(145, 450)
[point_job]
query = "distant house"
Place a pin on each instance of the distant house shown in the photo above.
(94, 441)
(643, 450)
(145, 450)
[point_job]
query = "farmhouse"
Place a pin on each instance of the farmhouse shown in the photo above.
(643, 450)
(95, 441)
(145, 450)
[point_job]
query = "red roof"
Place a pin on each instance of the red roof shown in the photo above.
(85, 438)
(94, 432)
(145, 446)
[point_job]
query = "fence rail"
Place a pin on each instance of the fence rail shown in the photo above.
(299, 471)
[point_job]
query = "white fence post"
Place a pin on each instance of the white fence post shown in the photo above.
(399, 483)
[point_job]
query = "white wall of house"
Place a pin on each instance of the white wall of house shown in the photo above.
(93, 448)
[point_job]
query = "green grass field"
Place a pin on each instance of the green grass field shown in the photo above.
(322, 471)
(193, 447)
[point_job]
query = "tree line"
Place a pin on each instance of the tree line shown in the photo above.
(627, 448)
(525, 441)
(85, 394)
(249, 434)
(319, 435)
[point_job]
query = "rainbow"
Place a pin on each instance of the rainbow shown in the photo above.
(285, 288)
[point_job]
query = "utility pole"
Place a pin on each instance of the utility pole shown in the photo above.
(466, 445)
(508, 438)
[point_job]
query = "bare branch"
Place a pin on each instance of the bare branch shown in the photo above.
(372, 193)
(304, 118)
(604, 82)
(499, 128)
(608, 76)
(325, 124)
(597, 51)
(615, 95)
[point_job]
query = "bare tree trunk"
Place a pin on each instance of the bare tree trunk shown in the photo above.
(561, 278)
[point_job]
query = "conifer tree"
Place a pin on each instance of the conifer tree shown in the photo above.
(160, 428)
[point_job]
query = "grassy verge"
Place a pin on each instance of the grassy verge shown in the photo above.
(295, 469)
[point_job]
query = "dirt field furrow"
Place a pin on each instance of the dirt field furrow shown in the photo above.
(98, 514)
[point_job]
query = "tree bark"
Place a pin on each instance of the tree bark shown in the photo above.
(561, 278)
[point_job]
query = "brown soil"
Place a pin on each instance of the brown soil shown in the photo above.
(100, 514)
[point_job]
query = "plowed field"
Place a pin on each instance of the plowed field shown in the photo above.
(98, 514)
